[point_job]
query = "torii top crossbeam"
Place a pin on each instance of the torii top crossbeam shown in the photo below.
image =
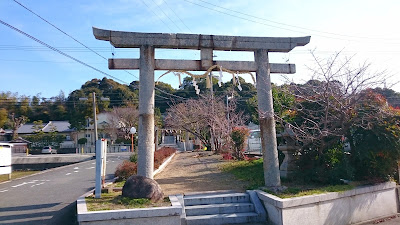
(205, 43)
(120, 39)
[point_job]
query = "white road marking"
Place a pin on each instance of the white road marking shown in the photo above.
(3, 191)
(76, 171)
(76, 168)
(67, 174)
(90, 168)
(93, 163)
(19, 185)
(37, 184)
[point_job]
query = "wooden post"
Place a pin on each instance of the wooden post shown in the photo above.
(132, 149)
(267, 122)
(146, 112)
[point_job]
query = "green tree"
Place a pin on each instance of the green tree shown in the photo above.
(283, 102)
(40, 139)
(3, 117)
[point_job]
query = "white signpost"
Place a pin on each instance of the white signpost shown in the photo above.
(101, 157)
(5, 159)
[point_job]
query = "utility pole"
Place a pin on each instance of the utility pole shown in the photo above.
(96, 136)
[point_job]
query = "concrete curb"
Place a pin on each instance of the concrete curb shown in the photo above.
(157, 215)
(164, 164)
(381, 218)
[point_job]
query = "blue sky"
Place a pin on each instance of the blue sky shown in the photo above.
(367, 29)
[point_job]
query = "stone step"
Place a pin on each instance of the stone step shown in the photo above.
(198, 210)
(209, 199)
(206, 193)
(216, 219)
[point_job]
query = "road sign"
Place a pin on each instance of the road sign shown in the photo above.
(5, 159)
(101, 158)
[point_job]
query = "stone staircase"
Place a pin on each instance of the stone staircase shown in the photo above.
(223, 207)
(173, 145)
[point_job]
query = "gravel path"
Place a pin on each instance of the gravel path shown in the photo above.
(196, 172)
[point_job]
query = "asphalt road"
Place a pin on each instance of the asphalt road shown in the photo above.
(49, 197)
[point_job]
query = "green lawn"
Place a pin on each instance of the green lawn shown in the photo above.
(252, 172)
(114, 200)
(17, 174)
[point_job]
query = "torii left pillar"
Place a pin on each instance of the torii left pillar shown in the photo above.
(146, 112)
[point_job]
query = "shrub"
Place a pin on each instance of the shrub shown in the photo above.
(371, 129)
(133, 158)
(375, 151)
(227, 156)
(125, 170)
(161, 154)
(239, 136)
(129, 168)
(325, 166)
(82, 141)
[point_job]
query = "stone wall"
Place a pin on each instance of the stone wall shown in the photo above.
(349, 207)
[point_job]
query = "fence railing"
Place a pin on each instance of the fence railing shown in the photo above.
(110, 148)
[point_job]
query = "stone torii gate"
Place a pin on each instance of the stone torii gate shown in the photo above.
(147, 42)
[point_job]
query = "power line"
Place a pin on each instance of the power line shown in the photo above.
(165, 1)
(59, 51)
(166, 15)
(39, 61)
(157, 16)
(58, 29)
(303, 28)
(69, 48)
(265, 24)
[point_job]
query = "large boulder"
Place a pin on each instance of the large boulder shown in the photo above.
(142, 187)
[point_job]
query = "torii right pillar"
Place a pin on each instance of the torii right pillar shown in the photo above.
(266, 119)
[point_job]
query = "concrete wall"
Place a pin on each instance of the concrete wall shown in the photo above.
(170, 220)
(40, 162)
(349, 207)
(154, 216)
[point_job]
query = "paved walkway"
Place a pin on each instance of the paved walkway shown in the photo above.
(196, 172)
(393, 220)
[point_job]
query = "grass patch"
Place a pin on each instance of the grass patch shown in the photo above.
(17, 174)
(250, 171)
(253, 173)
(119, 184)
(112, 201)
(292, 192)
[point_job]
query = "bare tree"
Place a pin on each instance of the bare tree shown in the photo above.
(16, 122)
(121, 121)
(195, 117)
(326, 104)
